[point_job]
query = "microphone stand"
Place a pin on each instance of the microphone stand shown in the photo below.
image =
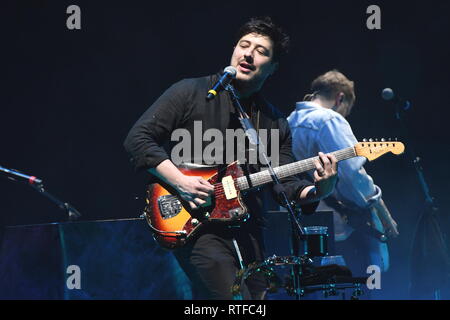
(428, 215)
(38, 185)
(298, 232)
(71, 212)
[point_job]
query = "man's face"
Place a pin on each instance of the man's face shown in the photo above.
(253, 59)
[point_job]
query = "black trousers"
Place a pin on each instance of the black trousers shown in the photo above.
(211, 263)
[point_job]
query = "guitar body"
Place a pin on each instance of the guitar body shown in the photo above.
(174, 223)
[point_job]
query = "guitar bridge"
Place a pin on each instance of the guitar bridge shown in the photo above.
(169, 206)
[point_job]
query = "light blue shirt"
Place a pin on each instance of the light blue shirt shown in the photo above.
(315, 129)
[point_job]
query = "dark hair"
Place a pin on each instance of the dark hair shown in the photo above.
(265, 27)
(331, 83)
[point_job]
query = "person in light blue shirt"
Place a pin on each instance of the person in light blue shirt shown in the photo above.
(319, 124)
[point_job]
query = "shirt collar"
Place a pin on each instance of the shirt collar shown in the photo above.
(306, 105)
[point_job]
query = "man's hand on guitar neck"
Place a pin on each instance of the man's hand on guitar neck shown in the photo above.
(194, 190)
(325, 177)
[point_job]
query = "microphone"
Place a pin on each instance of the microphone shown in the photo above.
(17, 176)
(389, 95)
(223, 82)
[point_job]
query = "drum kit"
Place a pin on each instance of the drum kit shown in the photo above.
(311, 272)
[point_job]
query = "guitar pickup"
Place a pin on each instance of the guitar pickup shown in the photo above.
(169, 206)
(229, 187)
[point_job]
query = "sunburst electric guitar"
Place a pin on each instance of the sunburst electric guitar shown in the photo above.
(173, 222)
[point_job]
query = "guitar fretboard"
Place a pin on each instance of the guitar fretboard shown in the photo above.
(287, 170)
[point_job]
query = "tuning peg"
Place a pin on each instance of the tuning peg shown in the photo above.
(364, 140)
(370, 140)
(395, 139)
(383, 139)
(390, 139)
(376, 140)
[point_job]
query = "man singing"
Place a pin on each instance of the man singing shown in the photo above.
(212, 259)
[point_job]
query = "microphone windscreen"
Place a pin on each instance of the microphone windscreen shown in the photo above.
(231, 70)
(387, 94)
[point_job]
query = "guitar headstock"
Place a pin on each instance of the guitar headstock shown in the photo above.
(374, 149)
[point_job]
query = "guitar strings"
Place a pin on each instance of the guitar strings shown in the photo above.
(287, 170)
(263, 177)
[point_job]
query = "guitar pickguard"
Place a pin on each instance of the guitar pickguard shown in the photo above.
(174, 223)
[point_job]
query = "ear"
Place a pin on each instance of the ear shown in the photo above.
(339, 98)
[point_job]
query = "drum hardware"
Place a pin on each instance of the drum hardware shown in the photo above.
(329, 279)
(266, 267)
(316, 241)
(305, 277)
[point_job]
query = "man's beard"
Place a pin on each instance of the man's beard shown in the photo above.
(248, 86)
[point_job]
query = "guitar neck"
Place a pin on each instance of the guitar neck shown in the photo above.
(287, 170)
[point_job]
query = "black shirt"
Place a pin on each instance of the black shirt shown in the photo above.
(182, 105)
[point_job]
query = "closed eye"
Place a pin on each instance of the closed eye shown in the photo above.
(263, 51)
(244, 44)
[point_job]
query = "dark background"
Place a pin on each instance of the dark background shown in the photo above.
(69, 97)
